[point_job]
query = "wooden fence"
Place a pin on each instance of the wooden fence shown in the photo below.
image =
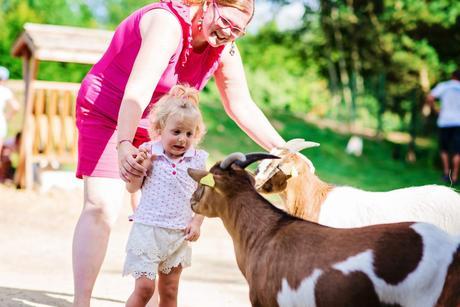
(49, 131)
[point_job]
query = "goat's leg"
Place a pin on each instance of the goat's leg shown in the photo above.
(450, 295)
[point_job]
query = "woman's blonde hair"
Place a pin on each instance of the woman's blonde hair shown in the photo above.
(181, 100)
(243, 5)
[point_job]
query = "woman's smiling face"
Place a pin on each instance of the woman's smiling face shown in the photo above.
(223, 24)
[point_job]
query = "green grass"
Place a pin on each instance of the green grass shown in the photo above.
(375, 170)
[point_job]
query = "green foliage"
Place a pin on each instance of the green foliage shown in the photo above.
(381, 167)
(277, 75)
(15, 13)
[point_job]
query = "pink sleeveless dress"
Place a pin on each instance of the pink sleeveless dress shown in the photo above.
(101, 91)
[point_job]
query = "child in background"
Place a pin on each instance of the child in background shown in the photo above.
(8, 153)
(164, 223)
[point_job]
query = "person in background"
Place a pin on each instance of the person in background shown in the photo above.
(156, 47)
(9, 149)
(8, 104)
(448, 93)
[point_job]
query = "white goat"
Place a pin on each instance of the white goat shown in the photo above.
(306, 196)
(290, 262)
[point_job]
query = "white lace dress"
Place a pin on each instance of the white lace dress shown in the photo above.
(157, 239)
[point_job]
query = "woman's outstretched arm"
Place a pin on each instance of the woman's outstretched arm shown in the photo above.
(238, 103)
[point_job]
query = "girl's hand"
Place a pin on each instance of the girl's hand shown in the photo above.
(192, 231)
(148, 162)
(129, 168)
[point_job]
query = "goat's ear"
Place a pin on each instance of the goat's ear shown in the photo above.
(208, 180)
(197, 174)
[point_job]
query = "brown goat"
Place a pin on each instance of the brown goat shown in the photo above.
(291, 262)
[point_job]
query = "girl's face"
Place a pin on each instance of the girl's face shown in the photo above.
(178, 135)
(223, 24)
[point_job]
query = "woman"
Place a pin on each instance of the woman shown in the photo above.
(155, 48)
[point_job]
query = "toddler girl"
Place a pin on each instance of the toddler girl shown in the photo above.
(164, 223)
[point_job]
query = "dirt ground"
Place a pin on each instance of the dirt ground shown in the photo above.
(35, 257)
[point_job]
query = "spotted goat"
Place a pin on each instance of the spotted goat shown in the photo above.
(306, 196)
(291, 262)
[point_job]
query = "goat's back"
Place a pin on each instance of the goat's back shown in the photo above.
(348, 207)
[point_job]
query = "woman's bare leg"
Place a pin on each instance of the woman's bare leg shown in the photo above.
(102, 202)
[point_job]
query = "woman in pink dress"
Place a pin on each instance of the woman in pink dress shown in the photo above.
(156, 47)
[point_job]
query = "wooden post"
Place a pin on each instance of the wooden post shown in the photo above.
(24, 174)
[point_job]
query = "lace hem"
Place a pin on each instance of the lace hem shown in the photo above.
(184, 261)
(149, 275)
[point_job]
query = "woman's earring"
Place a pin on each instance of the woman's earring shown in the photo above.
(200, 23)
(232, 49)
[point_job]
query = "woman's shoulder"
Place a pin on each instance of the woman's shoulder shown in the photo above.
(169, 11)
(162, 17)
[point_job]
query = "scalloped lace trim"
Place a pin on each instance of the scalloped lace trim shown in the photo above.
(167, 267)
(149, 275)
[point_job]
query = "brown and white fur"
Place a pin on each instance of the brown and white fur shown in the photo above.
(308, 197)
(291, 262)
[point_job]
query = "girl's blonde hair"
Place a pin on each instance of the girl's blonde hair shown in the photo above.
(181, 100)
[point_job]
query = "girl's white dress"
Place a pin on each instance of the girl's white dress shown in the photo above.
(157, 238)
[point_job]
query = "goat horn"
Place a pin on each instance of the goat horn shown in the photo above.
(299, 144)
(236, 156)
(253, 157)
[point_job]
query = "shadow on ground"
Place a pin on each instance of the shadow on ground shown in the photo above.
(23, 297)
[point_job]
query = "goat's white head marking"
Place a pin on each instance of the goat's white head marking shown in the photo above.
(268, 168)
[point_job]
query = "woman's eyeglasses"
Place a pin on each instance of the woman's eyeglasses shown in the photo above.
(225, 24)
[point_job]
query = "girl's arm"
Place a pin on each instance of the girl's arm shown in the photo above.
(136, 183)
(161, 34)
(238, 103)
(146, 160)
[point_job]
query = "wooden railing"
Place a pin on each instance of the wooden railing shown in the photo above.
(49, 131)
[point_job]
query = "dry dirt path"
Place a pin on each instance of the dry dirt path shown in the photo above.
(35, 257)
